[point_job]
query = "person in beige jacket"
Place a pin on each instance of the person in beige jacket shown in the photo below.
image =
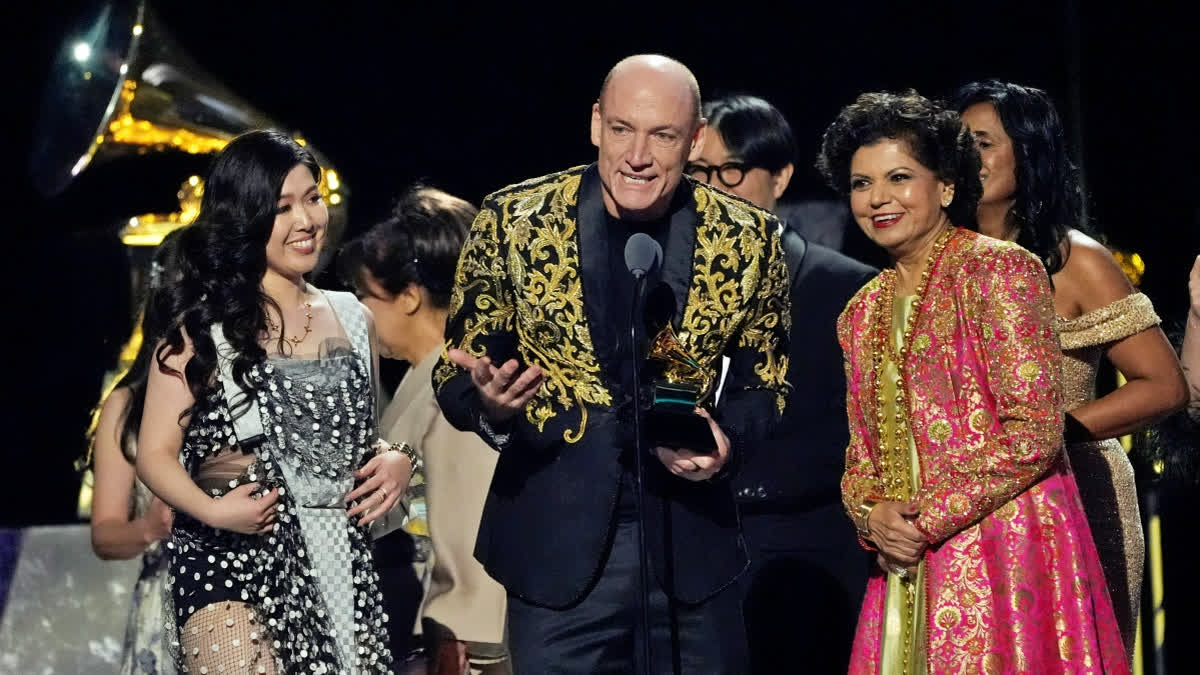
(403, 270)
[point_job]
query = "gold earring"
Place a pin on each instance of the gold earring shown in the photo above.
(947, 197)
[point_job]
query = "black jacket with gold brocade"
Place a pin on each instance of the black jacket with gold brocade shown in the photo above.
(531, 285)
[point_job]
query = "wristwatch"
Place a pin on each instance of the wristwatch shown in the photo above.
(404, 448)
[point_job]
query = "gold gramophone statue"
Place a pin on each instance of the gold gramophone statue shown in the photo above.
(680, 384)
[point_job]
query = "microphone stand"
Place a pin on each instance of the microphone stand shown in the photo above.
(640, 470)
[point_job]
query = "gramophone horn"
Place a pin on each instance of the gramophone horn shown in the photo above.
(120, 85)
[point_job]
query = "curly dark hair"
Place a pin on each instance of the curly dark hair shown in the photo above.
(417, 243)
(1049, 198)
(935, 136)
(224, 253)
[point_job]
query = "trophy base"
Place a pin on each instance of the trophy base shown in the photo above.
(676, 425)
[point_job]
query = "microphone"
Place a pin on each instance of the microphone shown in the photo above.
(642, 254)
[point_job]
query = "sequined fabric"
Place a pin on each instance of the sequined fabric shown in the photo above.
(1102, 468)
(1013, 581)
(304, 597)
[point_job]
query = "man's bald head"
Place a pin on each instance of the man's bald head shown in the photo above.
(646, 125)
(664, 71)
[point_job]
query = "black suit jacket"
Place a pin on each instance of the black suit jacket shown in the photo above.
(531, 285)
(800, 467)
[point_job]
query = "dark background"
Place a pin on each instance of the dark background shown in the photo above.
(472, 98)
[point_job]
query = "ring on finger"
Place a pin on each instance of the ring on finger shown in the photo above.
(383, 493)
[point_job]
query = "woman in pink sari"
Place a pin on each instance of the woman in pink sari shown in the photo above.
(955, 471)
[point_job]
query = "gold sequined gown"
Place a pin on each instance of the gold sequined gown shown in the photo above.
(1102, 469)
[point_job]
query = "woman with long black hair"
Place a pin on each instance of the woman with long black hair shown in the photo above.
(127, 519)
(259, 415)
(1032, 195)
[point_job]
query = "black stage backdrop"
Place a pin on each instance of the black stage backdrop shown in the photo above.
(472, 98)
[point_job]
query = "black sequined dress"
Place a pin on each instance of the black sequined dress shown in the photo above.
(310, 585)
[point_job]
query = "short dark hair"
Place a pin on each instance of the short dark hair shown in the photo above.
(935, 135)
(1049, 198)
(417, 243)
(753, 130)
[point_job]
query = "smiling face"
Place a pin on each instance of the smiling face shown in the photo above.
(999, 170)
(645, 127)
(897, 201)
(301, 219)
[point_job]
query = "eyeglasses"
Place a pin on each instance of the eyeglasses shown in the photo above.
(731, 173)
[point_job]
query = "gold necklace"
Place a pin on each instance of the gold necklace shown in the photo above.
(897, 487)
(893, 462)
(274, 328)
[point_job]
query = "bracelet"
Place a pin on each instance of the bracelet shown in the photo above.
(864, 514)
(382, 446)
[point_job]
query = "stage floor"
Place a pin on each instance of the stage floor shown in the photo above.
(66, 609)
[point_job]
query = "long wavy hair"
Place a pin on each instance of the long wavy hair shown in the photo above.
(1049, 198)
(225, 250)
(165, 265)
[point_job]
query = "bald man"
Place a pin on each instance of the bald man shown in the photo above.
(538, 363)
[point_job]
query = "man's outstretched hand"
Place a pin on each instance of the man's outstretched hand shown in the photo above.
(504, 390)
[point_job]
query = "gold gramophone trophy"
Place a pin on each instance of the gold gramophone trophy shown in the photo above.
(680, 385)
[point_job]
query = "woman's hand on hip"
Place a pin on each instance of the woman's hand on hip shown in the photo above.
(239, 511)
(384, 480)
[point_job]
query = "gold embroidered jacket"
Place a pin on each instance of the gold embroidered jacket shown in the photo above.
(520, 276)
(532, 284)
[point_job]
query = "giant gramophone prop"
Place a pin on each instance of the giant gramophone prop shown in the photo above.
(674, 382)
(120, 87)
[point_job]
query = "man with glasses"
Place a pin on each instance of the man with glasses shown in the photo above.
(808, 573)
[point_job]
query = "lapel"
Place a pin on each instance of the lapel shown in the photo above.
(607, 323)
(591, 222)
(679, 256)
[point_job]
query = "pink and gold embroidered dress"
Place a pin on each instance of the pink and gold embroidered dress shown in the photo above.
(1011, 582)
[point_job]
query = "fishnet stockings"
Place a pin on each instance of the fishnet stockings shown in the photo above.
(225, 637)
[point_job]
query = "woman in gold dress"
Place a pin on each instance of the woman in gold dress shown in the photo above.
(1032, 195)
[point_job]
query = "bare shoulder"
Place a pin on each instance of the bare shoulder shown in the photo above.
(1090, 276)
